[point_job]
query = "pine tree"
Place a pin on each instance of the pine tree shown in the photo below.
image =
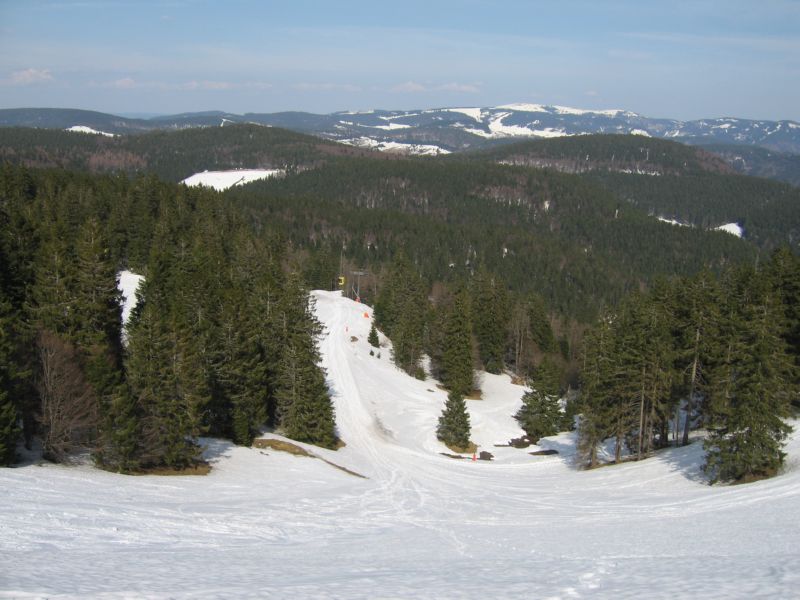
(454, 427)
(400, 310)
(540, 413)
(696, 320)
(751, 387)
(457, 373)
(9, 413)
(372, 338)
(595, 423)
(490, 320)
(304, 408)
(163, 375)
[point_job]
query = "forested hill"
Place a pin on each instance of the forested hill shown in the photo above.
(614, 153)
(670, 180)
(171, 155)
(557, 234)
(760, 162)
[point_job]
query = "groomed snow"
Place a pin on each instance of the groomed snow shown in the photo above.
(222, 180)
(85, 129)
(268, 525)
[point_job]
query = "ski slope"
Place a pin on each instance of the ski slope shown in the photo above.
(265, 524)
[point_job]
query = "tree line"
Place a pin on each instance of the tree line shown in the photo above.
(222, 341)
(718, 353)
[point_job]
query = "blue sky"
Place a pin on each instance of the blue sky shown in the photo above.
(680, 59)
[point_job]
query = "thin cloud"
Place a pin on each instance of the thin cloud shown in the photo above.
(128, 83)
(326, 87)
(410, 87)
(466, 88)
(29, 77)
(414, 87)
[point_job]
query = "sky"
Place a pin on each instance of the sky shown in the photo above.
(684, 59)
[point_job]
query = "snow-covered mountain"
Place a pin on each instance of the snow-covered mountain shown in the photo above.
(415, 524)
(443, 129)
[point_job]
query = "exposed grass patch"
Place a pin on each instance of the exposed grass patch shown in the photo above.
(474, 395)
(295, 450)
(282, 446)
(470, 448)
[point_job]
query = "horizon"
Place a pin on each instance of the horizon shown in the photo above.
(686, 61)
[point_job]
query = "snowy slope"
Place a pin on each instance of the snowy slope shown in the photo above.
(222, 180)
(85, 129)
(268, 525)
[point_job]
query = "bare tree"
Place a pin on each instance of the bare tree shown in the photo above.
(68, 416)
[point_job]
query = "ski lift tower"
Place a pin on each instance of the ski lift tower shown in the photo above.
(357, 288)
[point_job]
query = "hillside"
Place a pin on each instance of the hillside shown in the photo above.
(760, 162)
(568, 239)
(267, 524)
(171, 155)
(665, 179)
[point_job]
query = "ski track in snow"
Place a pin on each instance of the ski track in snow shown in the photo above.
(265, 524)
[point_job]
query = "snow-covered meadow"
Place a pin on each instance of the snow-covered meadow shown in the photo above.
(222, 180)
(264, 524)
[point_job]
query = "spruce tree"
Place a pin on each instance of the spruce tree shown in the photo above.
(490, 319)
(457, 373)
(454, 427)
(9, 413)
(372, 338)
(540, 413)
(304, 409)
(751, 387)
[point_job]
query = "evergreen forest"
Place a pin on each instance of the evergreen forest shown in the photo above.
(542, 260)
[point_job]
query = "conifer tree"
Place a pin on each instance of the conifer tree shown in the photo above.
(457, 373)
(9, 413)
(304, 408)
(540, 413)
(596, 383)
(454, 428)
(97, 313)
(751, 387)
(490, 320)
(372, 338)
(400, 311)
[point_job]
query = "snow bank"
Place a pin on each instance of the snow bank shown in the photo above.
(222, 180)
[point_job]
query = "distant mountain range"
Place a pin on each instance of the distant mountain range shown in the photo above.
(753, 147)
(441, 129)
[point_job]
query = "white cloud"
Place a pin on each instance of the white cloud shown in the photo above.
(126, 83)
(30, 76)
(206, 85)
(410, 87)
(326, 87)
(459, 87)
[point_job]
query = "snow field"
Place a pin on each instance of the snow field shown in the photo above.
(264, 524)
(222, 180)
(85, 129)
